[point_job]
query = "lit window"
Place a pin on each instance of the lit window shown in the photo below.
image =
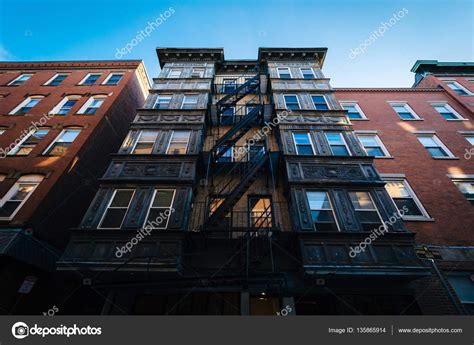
(25, 106)
(261, 212)
(92, 105)
(319, 102)
(117, 209)
(447, 112)
(64, 106)
(303, 143)
(18, 194)
(466, 187)
(190, 102)
(28, 143)
(145, 142)
(175, 73)
(434, 146)
(20, 80)
(365, 209)
(113, 79)
(307, 73)
(160, 209)
(291, 102)
(322, 212)
(56, 80)
(338, 144)
(354, 112)
(405, 199)
(284, 73)
(178, 143)
(404, 111)
(62, 142)
(458, 88)
(373, 145)
(162, 102)
(90, 79)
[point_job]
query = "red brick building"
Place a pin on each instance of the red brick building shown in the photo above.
(58, 123)
(423, 140)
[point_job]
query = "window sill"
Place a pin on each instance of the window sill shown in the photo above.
(418, 219)
(358, 119)
(456, 120)
(412, 120)
(446, 158)
(385, 157)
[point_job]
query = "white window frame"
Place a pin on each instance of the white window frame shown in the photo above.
(61, 103)
(458, 85)
(180, 70)
(343, 140)
(308, 134)
(35, 179)
(289, 72)
(401, 178)
(297, 99)
(325, 100)
(25, 138)
(19, 77)
(190, 95)
(138, 140)
(162, 96)
(467, 135)
(45, 152)
(87, 76)
(312, 72)
(377, 138)
(438, 141)
(462, 179)
(151, 203)
(91, 99)
(363, 209)
(200, 73)
(323, 209)
(171, 139)
(110, 202)
(25, 102)
(449, 108)
(54, 77)
(393, 104)
(355, 104)
(110, 76)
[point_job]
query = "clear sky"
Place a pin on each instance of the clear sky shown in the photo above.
(94, 29)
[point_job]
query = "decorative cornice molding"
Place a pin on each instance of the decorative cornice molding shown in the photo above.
(57, 65)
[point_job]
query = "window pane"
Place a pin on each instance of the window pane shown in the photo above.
(143, 148)
(318, 200)
(334, 138)
(113, 218)
(148, 136)
(339, 150)
(427, 141)
(368, 140)
(361, 201)
(397, 189)
(436, 152)
(69, 135)
(410, 204)
(121, 198)
(302, 138)
(375, 151)
(163, 198)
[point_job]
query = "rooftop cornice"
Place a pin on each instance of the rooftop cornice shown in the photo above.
(189, 55)
(387, 89)
(288, 54)
(58, 65)
(435, 66)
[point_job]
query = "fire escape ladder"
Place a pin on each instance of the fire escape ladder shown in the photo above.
(250, 86)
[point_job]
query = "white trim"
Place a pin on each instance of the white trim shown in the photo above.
(13, 189)
(110, 76)
(25, 138)
(54, 77)
(362, 209)
(343, 140)
(377, 139)
(110, 202)
(330, 203)
(310, 141)
(312, 72)
(358, 108)
(289, 72)
(151, 203)
(459, 86)
(66, 99)
(137, 140)
(190, 95)
(87, 76)
(324, 97)
(461, 176)
(23, 103)
(91, 99)
(297, 99)
(201, 75)
(407, 107)
(162, 96)
(439, 142)
(449, 108)
(14, 80)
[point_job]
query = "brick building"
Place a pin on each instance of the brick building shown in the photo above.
(59, 121)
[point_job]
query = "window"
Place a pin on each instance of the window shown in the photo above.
(404, 111)
(117, 209)
(458, 88)
(307, 73)
(20, 80)
(179, 143)
(466, 187)
(160, 209)
(338, 144)
(319, 102)
(354, 112)
(64, 106)
(162, 102)
(303, 143)
(291, 102)
(2, 130)
(25, 106)
(229, 85)
(227, 116)
(227, 156)
(18, 194)
(145, 142)
(92, 105)
(373, 145)
(365, 209)
(62, 142)
(447, 112)
(322, 212)
(25, 146)
(469, 138)
(405, 199)
(113, 79)
(90, 79)
(197, 72)
(463, 285)
(175, 73)
(56, 80)
(284, 73)
(261, 212)
(434, 146)
(190, 102)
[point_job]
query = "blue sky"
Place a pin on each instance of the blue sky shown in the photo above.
(84, 29)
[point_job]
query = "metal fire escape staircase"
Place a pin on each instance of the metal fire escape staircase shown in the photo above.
(235, 180)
